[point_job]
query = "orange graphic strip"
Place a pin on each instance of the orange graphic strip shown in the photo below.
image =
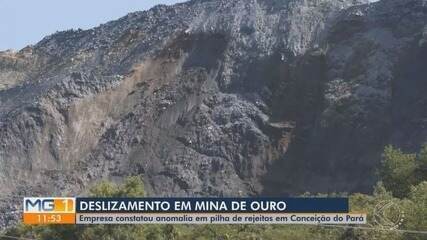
(49, 218)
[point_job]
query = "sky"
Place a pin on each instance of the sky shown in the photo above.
(24, 22)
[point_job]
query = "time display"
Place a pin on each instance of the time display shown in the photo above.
(49, 218)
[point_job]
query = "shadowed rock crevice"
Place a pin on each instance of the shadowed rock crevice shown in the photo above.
(217, 98)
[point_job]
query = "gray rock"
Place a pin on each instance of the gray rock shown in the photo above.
(216, 98)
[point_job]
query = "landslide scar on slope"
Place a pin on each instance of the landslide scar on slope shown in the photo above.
(90, 117)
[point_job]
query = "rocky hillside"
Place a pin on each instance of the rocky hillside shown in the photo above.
(217, 97)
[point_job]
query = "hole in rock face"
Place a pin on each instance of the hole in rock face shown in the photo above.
(204, 49)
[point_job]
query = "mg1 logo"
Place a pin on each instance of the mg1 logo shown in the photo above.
(49, 211)
(49, 205)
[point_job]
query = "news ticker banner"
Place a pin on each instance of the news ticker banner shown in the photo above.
(189, 211)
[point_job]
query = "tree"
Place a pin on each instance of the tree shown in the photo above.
(416, 211)
(422, 164)
(398, 171)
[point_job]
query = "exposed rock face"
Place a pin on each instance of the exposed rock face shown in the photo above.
(220, 98)
(366, 83)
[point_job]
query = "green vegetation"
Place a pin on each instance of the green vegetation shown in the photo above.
(403, 185)
(400, 171)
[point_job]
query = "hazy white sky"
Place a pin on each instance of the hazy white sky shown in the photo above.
(24, 22)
